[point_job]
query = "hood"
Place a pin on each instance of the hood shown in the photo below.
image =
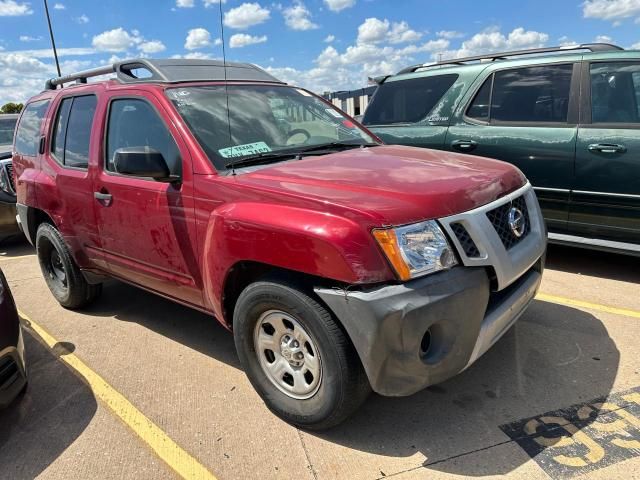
(393, 185)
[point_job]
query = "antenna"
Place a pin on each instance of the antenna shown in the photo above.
(226, 87)
(53, 42)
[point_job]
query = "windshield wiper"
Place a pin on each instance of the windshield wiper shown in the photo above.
(260, 158)
(267, 157)
(335, 145)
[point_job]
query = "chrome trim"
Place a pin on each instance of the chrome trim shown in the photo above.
(509, 265)
(548, 189)
(608, 194)
(594, 243)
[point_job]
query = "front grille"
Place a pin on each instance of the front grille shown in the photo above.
(12, 183)
(468, 245)
(499, 218)
(8, 371)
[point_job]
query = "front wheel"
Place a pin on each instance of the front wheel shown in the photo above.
(297, 357)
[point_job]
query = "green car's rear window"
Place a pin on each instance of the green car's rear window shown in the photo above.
(407, 101)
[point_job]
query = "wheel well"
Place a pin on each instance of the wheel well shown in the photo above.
(35, 218)
(242, 274)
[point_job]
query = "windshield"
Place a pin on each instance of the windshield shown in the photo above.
(7, 126)
(265, 119)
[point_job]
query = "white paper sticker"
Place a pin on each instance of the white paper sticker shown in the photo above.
(333, 112)
(303, 92)
(243, 150)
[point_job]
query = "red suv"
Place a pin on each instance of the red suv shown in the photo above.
(340, 264)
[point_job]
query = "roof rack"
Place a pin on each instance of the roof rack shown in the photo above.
(592, 47)
(169, 71)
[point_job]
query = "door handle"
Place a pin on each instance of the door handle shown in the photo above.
(103, 198)
(607, 148)
(464, 145)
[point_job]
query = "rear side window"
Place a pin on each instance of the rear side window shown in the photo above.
(407, 101)
(479, 108)
(28, 132)
(72, 131)
(532, 94)
(135, 123)
(615, 92)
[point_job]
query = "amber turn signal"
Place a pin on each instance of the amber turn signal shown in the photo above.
(389, 243)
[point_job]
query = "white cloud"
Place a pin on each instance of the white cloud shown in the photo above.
(449, 34)
(635, 46)
(184, 3)
(197, 38)
(339, 5)
(246, 15)
(59, 6)
(27, 38)
(492, 40)
(610, 9)
(11, 8)
(603, 39)
(298, 17)
(374, 30)
(152, 46)
(329, 38)
(116, 40)
(565, 41)
(82, 19)
(240, 40)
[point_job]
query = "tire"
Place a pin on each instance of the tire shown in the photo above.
(342, 385)
(63, 277)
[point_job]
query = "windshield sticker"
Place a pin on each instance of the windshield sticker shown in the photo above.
(302, 92)
(333, 113)
(242, 150)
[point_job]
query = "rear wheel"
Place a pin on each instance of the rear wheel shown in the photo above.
(296, 356)
(63, 277)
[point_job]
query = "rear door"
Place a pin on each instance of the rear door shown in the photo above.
(67, 192)
(606, 190)
(413, 111)
(147, 227)
(526, 116)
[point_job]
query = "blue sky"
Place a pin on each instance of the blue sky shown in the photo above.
(319, 44)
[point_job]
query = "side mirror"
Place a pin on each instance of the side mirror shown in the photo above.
(142, 162)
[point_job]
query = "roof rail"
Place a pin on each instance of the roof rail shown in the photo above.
(169, 71)
(592, 47)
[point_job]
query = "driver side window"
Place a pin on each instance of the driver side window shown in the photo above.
(135, 123)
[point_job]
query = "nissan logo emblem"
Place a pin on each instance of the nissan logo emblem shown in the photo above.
(516, 222)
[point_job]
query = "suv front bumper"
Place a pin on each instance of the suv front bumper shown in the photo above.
(464, 319)
(422, 332)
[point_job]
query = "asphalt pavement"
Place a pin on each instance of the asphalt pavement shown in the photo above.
(139, 387)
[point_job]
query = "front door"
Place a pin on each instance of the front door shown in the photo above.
(606, 190)
(147, 227)
(525, 116)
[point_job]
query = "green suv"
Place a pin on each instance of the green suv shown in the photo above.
(568, 117)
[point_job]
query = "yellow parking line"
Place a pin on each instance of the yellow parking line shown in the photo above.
(19, 257)
(591, 306)
(169, 451)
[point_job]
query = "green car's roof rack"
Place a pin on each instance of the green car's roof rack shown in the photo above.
(592, 47)
(143, 70)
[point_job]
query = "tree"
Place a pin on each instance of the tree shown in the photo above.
(11, 108)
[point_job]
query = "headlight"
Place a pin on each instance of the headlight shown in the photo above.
(417, 249)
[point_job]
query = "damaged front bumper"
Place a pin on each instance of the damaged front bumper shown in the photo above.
(422, 332)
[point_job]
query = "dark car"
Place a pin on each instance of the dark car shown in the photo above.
(569, 118)
(13, 376)
(8, 223)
